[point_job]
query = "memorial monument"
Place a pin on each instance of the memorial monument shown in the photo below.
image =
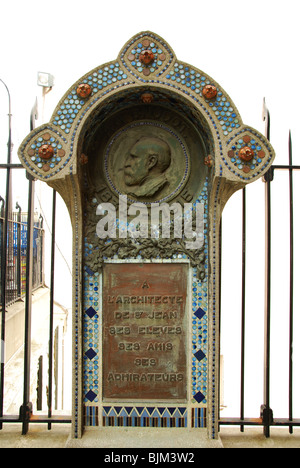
(145, 151)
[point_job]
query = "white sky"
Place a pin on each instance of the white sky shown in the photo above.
(251, 48)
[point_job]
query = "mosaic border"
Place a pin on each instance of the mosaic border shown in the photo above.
(140, 416)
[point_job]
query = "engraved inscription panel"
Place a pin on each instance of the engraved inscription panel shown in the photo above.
(144, 331)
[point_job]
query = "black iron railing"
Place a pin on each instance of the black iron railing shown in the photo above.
(22, 271)
(15, 271)
(266, 419)
(21, 255)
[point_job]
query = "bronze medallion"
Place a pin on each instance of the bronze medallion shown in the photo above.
(147, 161)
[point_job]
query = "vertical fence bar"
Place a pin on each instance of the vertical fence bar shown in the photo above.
(41, 222)
(2, 216)
(26, 408)
(242, 402)
(50, 381)
(3, 300)
(267, 120)
(56, 366)
(4, 255)
(3, 308)
(2, 204)
(291, 311)
(266, 412)
(39, 389)
(18, 261)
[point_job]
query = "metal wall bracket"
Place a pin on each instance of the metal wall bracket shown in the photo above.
(266, 414)
(269, 175)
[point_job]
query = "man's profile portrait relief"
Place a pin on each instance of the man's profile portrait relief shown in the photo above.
(146, 161)
(145, 166)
